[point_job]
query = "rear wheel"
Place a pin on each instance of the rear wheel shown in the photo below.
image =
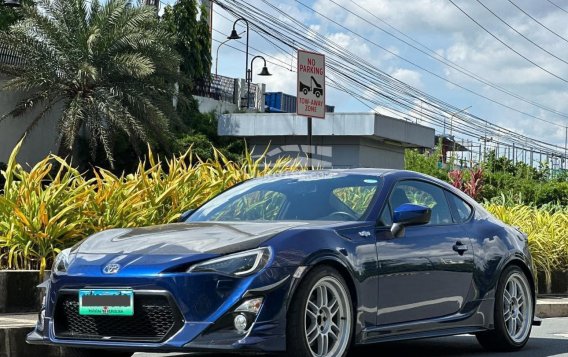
(320, 319)
(514, 312)
(85, 352)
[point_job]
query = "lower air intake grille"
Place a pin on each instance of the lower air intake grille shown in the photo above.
(155, 318)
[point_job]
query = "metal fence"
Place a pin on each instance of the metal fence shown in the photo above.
(227, 89)
(9, 56)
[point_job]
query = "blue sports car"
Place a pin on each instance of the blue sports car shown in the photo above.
(308, 263)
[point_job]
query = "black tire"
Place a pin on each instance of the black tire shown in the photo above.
(336, 328)
(500, 339)
(85, 352)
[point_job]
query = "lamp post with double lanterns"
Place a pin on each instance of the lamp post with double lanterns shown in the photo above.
(248, 72)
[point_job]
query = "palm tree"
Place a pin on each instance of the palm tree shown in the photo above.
(108, 65)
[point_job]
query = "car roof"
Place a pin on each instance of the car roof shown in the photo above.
(379, 172)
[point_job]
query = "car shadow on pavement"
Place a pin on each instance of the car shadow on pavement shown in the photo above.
(442, 347)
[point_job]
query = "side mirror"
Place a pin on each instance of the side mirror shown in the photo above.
(185, 215)
(409, 214)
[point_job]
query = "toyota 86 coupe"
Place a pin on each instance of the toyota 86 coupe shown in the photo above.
(308, 264)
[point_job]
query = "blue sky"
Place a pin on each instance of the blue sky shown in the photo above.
(441, 26)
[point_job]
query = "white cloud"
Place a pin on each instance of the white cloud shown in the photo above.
(350, 43)
(408, 76)
(443, 28)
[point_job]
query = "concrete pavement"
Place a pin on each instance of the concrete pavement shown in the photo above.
(551, 337)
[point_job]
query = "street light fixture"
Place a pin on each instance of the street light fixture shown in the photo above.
(12, 3)
(263, 72)
(235, 36)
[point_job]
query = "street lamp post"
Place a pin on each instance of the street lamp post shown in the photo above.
(263, 72)
(235, 36)
(219, 47)
(248, 70)
(217, 56)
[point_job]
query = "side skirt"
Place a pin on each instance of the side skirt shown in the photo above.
(425, 334)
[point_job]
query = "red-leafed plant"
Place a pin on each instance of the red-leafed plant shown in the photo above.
(470, 181)
(475, 184)
(456, 179)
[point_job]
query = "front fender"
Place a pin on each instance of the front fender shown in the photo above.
(353, 255)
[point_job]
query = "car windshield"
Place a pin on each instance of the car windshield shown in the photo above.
(325, 196)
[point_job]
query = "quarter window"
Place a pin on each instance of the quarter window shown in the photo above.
(424, 194)
(463, 209)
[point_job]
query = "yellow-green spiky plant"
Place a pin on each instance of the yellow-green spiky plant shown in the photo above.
(53, 206)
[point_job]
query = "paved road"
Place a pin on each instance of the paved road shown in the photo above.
(550, 339)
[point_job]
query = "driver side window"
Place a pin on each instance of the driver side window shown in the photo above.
(423, 194)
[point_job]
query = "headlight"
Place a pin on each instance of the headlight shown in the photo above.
(239, 264)
(61, 262)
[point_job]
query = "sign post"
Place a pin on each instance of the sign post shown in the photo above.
(311, 90)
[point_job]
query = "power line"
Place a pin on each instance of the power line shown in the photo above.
(557, 6)
(265, 38)
(519, 33)
(349, 69)
(460, 69)
(506, 45)
(429, 71)
(538, 22)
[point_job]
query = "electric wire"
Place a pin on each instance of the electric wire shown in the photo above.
(538, 22)
(292, 34)
(520, 33)
(561, 8)
(507, 45)
(264, 14)
(436, 56)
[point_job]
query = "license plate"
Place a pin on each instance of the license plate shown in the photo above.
(106, 302)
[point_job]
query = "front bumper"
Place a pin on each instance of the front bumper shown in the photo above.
(206, 302)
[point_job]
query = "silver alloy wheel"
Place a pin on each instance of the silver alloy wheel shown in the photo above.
(328, 318)
(517, 307)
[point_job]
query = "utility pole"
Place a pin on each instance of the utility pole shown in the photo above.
(566, 148)
(208, 5)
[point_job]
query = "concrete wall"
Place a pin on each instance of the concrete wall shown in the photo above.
(207, 105)
(38, 144)
(335, 124)
(331, 152)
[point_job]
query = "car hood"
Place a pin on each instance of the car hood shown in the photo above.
(184, 238)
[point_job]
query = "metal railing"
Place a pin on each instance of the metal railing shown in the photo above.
(9, 56)
(218, 87)
(226, 89)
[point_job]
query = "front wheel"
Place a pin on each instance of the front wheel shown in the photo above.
(320, 319)
(84, 352)
(514, 312)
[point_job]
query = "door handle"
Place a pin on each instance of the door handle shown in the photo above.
(460, 248)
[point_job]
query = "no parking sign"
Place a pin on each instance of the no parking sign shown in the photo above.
(311, 84)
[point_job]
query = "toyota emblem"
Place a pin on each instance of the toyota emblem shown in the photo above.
(111, 269)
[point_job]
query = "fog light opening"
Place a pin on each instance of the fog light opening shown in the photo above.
(241, 323)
